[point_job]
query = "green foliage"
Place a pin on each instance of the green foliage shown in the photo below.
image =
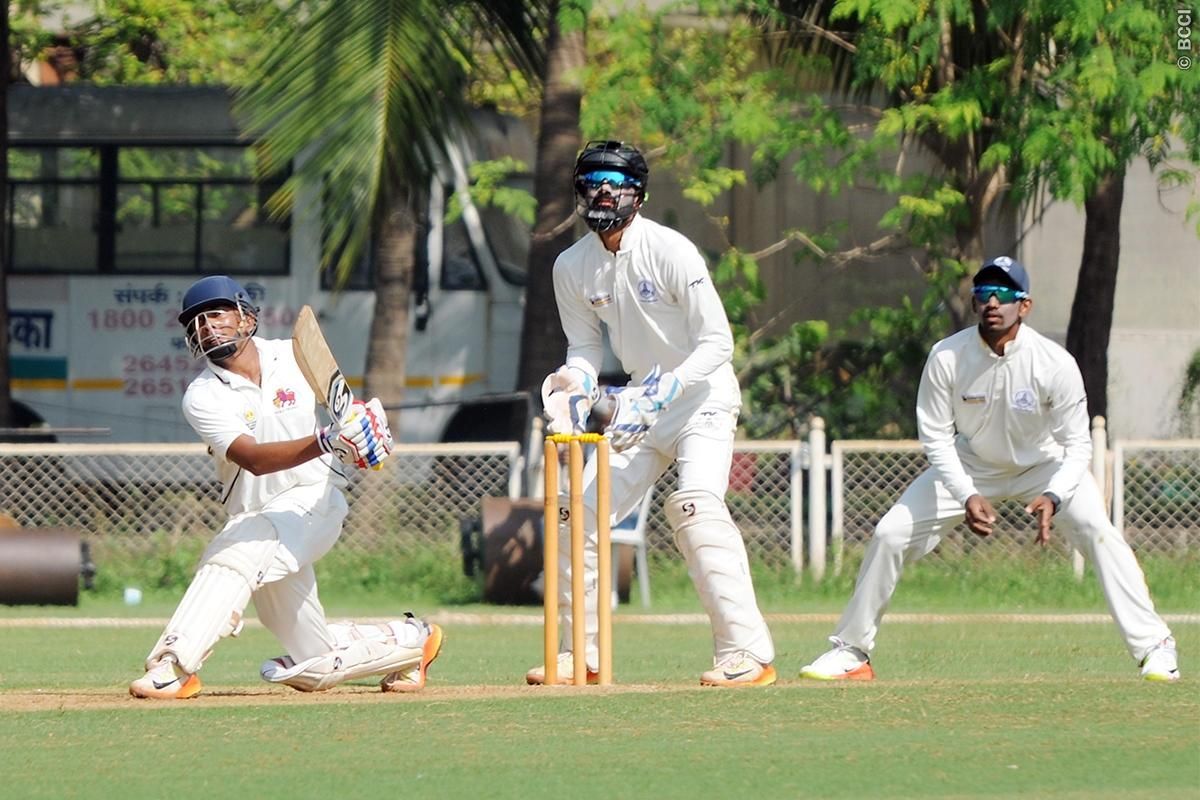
(864, 384)
(198, 42)
(1188, 405)
(489, 188)
(370, 92)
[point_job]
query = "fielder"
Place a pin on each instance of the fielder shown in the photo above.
(649, 286)
(1001, 413)
(282, 489)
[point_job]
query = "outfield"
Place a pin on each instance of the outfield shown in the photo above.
(967, 706)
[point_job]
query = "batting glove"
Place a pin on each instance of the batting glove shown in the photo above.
(567, 396)
(363, 440)
(637, 407)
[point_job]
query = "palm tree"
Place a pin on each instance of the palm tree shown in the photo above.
(543, 343)
(363, 97)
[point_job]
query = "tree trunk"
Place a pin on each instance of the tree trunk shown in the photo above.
(543, 345)
(5, 375)
(1092, 309)
(396, 234)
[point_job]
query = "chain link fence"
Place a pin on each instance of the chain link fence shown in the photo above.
(1155, 500)
(1156, 494)
(146, 502)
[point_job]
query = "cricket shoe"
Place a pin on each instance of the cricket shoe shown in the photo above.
(566, 672)
(739, 669)
(413, 678)
(164, 680)
(843, 663)
(1161, 662)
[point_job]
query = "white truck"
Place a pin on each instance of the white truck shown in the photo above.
(121, 197)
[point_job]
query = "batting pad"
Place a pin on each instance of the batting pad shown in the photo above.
(715, 554)
(232, 567)
(211, 609)
(363, 651)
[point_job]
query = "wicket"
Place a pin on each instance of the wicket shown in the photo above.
(575, 444)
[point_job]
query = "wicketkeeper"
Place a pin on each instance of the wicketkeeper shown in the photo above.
(282, 488)
(649, 286)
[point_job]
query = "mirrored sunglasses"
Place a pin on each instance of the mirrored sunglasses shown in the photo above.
(599, 177)
(1004, 294)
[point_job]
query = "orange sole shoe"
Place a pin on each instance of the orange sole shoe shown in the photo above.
(190, 688)
(429, 652)
(863, 673)
(768, 677)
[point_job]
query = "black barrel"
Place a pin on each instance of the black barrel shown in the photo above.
(42, 566)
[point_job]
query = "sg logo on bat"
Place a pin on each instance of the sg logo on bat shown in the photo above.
(340, 396)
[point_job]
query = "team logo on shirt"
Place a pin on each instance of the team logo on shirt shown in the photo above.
(1025, 401)
(598, 300)
(647, 291)
(250, 417)
(284, 398)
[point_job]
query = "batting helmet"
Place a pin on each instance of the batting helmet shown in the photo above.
(619, 166)
(212, 292)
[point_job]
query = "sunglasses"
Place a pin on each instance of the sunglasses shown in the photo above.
(1003, 294)
(618, 180)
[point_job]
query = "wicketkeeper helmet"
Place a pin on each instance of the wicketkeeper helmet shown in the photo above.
(623, 170)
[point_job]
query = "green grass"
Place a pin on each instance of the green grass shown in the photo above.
(961, 710)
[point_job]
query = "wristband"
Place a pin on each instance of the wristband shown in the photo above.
(1055, 499)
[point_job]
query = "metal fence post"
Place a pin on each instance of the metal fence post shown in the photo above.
(796, 496)
(816, 497)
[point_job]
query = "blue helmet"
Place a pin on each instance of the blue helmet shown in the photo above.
(215, 291)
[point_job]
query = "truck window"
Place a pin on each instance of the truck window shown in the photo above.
(460, 265)
(142, 210)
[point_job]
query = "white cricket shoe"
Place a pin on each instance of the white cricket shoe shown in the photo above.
(413, 679)
(739, 669)
(843, 663)
(1161, 662)
(164, 680)
(566, 672)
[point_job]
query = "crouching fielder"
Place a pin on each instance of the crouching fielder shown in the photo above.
(650, 287)
(282, 489)
(1002, 413)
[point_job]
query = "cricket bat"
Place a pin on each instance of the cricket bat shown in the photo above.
(319, 367)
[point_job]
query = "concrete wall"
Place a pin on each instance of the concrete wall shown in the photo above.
(1156, 316)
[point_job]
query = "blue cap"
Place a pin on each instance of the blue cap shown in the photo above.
(211, 292)
(1004, 269)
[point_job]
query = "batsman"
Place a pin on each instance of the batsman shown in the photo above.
(282, 479)
(649, 287)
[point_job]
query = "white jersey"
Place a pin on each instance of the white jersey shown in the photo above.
(1003, 414)
(221, 406)
(657, 300)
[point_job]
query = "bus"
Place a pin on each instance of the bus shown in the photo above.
(120, 197)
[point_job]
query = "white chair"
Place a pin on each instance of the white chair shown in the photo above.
(635, 534)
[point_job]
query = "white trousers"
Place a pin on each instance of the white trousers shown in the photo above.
(697, 433)
(268, 556)
(915, 524)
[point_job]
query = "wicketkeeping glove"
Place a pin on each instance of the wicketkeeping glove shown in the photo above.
(567, 397)
(637, 407)
(363, 439)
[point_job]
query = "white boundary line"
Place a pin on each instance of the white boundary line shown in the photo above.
(464, 618)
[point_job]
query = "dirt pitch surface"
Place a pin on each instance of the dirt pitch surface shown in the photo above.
(94, 699)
